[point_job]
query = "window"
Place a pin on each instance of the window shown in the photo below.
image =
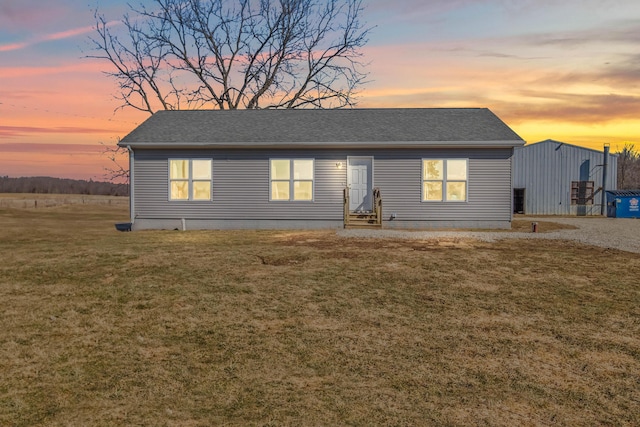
(291, 179)
(582, 192)
(444, 180)
(190, 179)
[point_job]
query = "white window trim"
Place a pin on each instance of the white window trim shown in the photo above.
(189, 180)
(292, 180)
(444, 181)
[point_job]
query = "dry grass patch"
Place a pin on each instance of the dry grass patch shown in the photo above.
(543, 226)
(306, 328)
(39, 201)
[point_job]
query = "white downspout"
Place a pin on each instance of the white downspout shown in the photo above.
(131, 199)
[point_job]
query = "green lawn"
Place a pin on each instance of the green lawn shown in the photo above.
(306, 328)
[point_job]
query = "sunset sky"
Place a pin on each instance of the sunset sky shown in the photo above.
(566, 70)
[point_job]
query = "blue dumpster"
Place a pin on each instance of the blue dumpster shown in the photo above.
(623, 204)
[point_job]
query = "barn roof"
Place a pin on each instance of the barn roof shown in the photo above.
(411, 127)
(557, 144)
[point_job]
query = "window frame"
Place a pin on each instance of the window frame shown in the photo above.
(190, 180)
(444, 181)
(292, 180)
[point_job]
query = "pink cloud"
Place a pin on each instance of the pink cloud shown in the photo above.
(76, 67)
(61, 35)
(413, 8)
(13, 46)
(68, 33)
(13, 131)
(50, 148)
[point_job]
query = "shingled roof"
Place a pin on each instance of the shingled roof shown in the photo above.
(412, 127)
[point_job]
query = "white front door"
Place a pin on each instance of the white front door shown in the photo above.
(360, 182)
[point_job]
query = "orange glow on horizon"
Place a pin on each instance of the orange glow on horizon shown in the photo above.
(540, 89)
(57, 165)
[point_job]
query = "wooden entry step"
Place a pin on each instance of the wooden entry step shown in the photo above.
(362, 220)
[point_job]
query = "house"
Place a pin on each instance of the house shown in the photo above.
(555, 178)
(282, 169)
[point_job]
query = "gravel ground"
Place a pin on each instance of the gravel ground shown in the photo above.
(615, 233)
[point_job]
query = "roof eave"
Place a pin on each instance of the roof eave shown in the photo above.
(313, 144)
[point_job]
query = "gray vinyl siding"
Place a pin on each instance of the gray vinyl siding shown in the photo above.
(399, 178)
(546, 169)
(240, 185)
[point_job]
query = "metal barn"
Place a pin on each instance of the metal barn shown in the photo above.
(555, 178)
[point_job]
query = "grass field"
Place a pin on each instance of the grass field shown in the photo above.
(306, 328)
(35, 201)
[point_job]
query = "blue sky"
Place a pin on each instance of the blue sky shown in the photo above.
(565, 70)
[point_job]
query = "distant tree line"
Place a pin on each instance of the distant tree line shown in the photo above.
(629, 168)
(49, 185)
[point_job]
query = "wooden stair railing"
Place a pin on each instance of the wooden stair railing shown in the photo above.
(377, 206)
(346, 206)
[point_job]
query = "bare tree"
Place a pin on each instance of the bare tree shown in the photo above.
(116, 172)
(628, 168)
(229, 54)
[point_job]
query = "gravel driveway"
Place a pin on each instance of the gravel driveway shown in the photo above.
(615, 233)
